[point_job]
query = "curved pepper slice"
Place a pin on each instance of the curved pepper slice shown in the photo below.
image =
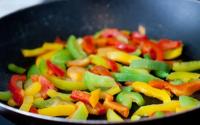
(74, 48)
(58, 110)
(27, 103)
(17, 92)
(100, 70)
(88, 45)
(112, 116)
(148, 110)
(54, 94)
(183, 76)
(186, 66)
(183, 89)
(55, 69)
(33, 89)
(5, 95)
(167, 44)
(45, 56)
(67, 85)
(79, 62)
(94, 97)
(17, 69)
(174, 53)
(151, 92)
(93, 81)
(188, 102)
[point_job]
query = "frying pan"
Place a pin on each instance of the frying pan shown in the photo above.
(174, 19)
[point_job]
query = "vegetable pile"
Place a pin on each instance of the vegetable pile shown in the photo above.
(110, 73)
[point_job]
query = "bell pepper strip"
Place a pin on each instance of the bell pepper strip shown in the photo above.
(130, 74)
(167, 44)
(33, 89)
(188, 102)
(17, 69)
(94, 97)
(147, 90)
(100, 70)
(61, 57)
(158, 114)
(41, 50)
(55, 69)
(161, 74)
(113, 65)
(122, 57)
(17, 92)
(186, 66)
(110, 104)
(41, 103)
(104, 50)
(150, 65)
(76, 73)
(148, 110)
(11, 102)
(5, 95)
(113, 91)
(42, 66)
(45, 56)
(66, 85)
(112, 116)
(58, 110)
(126, 98)
(135, 117)
(176, 82)
(74, 48)
(99, 109)
(81, 112)
(88, 45)
(174, 53)
(100, 61)
(137, 52)
(186, 89)
(93, 81)
(27, 103)
(33, 70)
(33, 110)
(79, 62)
(63, 96)
(183, 76)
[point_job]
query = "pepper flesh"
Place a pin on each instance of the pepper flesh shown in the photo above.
(5, 95)
(112, 116)
(27, 103)
(186, 89)
(17, 69)
(54, 94)
(183, 76)
(186, 66)
(148, 110)
(150, 91)
(174, 53)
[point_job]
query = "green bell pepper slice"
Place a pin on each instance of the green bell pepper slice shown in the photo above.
(112, 116)
(17, 69)
(93, 81)
(42, 66)
(74, 48)
(159, 114)
(5, 95)
(188, 102)
(63, 96)
(41, 103)
(81, 112)
(186, 66)
(33, 70)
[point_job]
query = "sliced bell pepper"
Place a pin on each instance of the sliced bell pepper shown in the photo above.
(114, 90)
(88, 45)
(17, 69)
(183, 89)
(159, 114)
(17, 92)
(74, 48)
(79, 62)
(33, 89)
(33, 70)
(100, 61)
(52, 46)
(94, 97)
(41, 103)
(122, 57)
(167, 44)
(104, 50)
(188, 102)
(100, 70)
(148, 110)
(110, 104)
(81, 112)
(93, 81)
(58, 110)
(99, 109)
(131, 74)
(67, 85)
(186, 66)
(151, 92)
(55, 69)
(127, 97)
(183, 76)
(27, 103)
(54, 94)
(174, 53)
(112, 116)
(33, 110)
(76, 73)
(11, 102)
(135, 117)
(113, 65)
(45, 56)
(5, 95)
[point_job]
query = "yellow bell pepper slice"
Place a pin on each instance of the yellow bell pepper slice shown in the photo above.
(114, 90)
(52, 46)
(148, 110)
(58, 110)
(151, 92)
(54, 94)
(184, 76)
(174, 53)
(33, 89)
(98, 60)
(104, 50)
(27, 103)
(122, 57)
(45, 56)
(94, 97)
(11, 102)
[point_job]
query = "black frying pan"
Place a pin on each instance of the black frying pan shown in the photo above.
(175, 19)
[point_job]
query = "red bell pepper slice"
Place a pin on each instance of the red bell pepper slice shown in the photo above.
(99, 109)
(55, 69)
(17, 92)
(100, 70)
(89, 45)
(167, 44)
(33, 110)
(113, 65)
(137, 38)
(110, 33)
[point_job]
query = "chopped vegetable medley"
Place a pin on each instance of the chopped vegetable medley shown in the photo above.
(110, 74)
